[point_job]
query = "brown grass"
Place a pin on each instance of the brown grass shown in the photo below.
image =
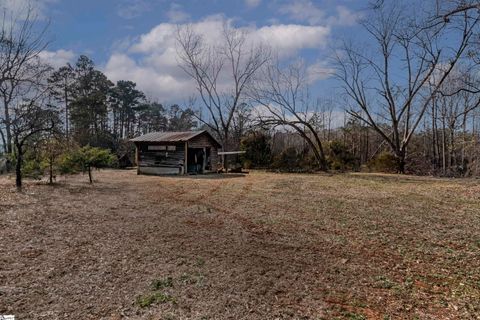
(262, 246)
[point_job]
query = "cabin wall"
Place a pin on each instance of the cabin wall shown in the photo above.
(160, 158)
(152, 160)
(204, 141)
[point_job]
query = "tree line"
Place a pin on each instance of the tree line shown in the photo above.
(409, 91)
(409, 96)
(46, 109)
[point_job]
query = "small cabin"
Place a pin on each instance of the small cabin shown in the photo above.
(188, 152)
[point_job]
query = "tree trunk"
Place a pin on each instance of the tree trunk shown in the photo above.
(464, 141)
(434, 136)
(8, 128)
(452, 155)
(122, 123)
(473, 150)
(114, 124)
(66, 111)
(51, 171)
(225, 148)
(4, 142)
(400, 155)
(90, 174)
(317, 149)
(444, 144)
(367, 146)
(18, 167)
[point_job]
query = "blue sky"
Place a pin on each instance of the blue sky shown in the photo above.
(133, 39)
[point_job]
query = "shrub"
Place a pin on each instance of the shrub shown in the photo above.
(33, 168)
(152, 298)
(86, 158)
(384, 162)
(257, 150)
(162, 283)
(287, 160)
(340, 158)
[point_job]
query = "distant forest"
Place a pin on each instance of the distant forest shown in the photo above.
(408, 100)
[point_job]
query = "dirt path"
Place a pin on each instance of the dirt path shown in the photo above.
(263, 246)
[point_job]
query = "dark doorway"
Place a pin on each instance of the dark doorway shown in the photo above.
(196, 160)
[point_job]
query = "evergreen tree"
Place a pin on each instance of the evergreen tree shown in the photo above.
(62, 83)
(125, 100)
(89, 107)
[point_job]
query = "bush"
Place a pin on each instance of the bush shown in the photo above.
(384, 162)
(340, 158)
(287, 160)
(33, 168)
(86, 158)
(257, 150)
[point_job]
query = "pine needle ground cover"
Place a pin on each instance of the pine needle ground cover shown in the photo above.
(259, 246)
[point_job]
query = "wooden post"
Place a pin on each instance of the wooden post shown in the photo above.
(185, 166)
(224, 163)
(204, 159)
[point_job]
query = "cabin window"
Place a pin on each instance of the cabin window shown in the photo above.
(161, 148)
(157, 148)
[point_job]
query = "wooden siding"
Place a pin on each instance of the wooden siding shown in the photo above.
(160, 158)
(158, 170)
(214, 158)
(204, 141)
(150, 161)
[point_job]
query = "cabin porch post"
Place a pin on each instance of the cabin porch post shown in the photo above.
(137, 158)
(185, 165)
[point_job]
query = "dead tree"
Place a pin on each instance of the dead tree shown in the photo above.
(454, 105)
(30, 114)
(284, 96)
(221, 74)
(413, 50)
(31, 119)
(21, 42)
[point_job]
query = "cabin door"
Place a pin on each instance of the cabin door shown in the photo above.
(196, 160)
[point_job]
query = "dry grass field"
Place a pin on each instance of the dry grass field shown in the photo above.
(259, 246)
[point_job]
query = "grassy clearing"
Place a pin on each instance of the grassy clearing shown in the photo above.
(263, 246)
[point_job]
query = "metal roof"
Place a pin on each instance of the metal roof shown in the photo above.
(179, 136)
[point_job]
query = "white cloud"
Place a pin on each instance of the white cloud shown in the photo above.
(252, 3)
(303, 10)
(177, 14)
(19, 8)
(345, 17)
(155, 82)
(287, 39)
(308, 11)
(57, 58)
(129, 9)
(151, 60)
(318, 71)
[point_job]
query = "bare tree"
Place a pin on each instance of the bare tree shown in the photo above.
(418, 50)
(31, 115)
(21, 42)
(283, 93)
(30, 120)
(452, 108)
(221, 74)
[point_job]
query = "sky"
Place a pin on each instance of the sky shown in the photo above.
(135, 39)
